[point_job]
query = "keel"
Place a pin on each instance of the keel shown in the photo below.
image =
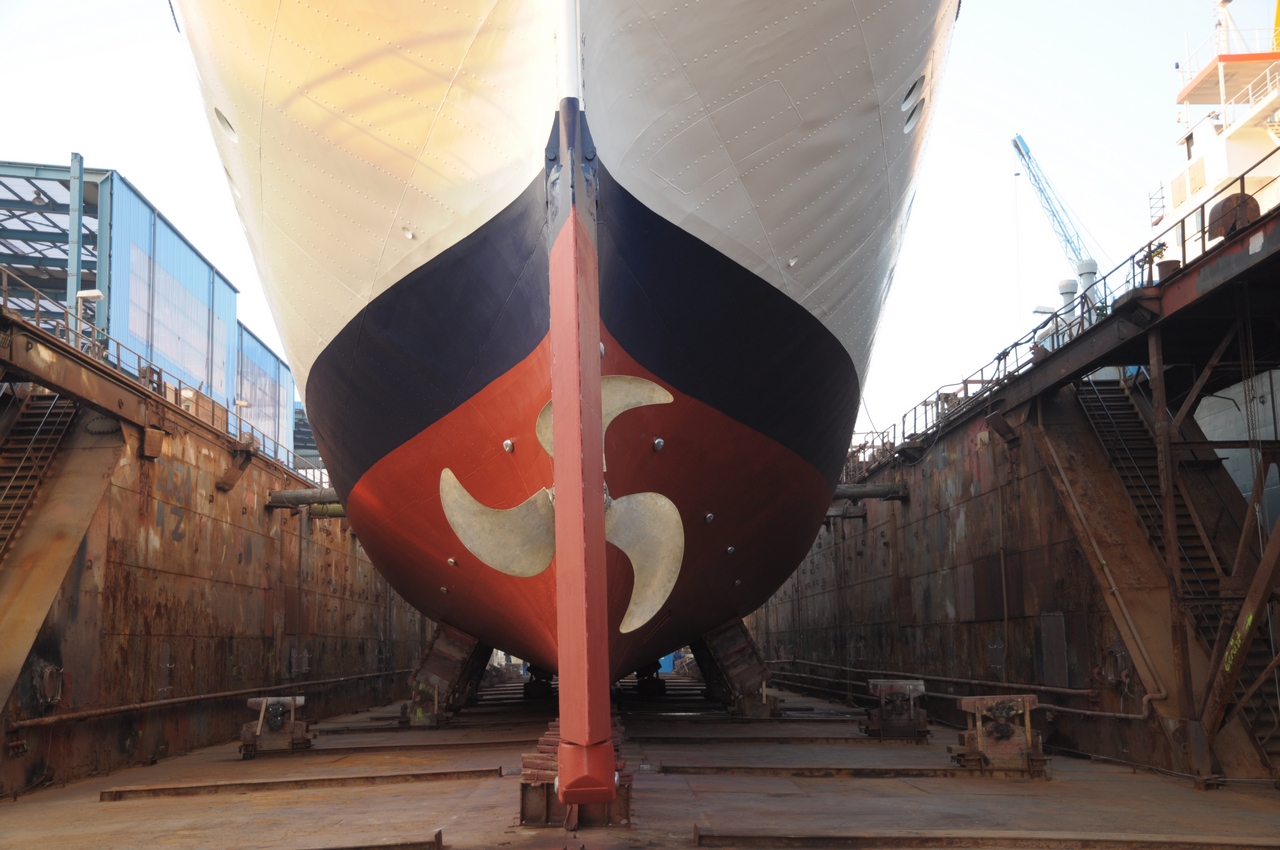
(586, 771)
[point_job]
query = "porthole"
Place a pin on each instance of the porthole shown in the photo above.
(913, 94)
(914, 118)
(226, 125)
(235, 191)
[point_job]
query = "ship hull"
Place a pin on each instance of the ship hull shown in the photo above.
(756, 162)
(764, 400)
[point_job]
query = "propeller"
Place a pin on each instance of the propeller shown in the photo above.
(521, 541)
(618, 394)
(647, 527)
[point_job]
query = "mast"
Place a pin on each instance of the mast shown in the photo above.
(568, 51)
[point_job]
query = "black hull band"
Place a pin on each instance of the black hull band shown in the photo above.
(683, 310)
(722, 334)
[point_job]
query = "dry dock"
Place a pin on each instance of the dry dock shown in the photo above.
(1090, 519)
(1068, 562)
(807, 779)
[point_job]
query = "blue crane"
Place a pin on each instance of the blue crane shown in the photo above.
(1072, 244)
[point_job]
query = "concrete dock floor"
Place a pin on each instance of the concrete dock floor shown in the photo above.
(380, 791)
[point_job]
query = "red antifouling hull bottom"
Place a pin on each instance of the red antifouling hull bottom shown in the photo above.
(735, 489)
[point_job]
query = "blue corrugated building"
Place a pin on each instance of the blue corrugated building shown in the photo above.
(147, 288)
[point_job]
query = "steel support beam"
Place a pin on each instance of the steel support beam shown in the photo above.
(1194, 393)
(66, 372)
(31, 206)
(42, 262)
(1253, 689)
(1251, 517)
(32, 171)
(75, 231)
(52, 237)
(1197, 750)
(102, 310)
(1205, 541)
(1223, 684)
(888, 492)
(1069, 362)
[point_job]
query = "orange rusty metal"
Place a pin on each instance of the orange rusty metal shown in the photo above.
(180, 591)
(586, 764)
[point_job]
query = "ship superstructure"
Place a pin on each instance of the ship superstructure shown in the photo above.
(1230, 102)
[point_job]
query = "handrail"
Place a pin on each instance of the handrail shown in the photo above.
(35, 469)
(868, 450)
(1048, 708)
(1259, 87)
(1156, 501)
(1192, 237)
(1089, 693)
(46, 314)
(91, 713)
(1251, 40)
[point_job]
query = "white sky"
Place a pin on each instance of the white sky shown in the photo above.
(1088, 83)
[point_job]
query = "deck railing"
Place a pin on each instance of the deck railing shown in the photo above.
(20, 299)
(1235, 205)
(1258, 90)
(1234, 41)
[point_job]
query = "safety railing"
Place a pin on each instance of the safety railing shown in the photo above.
(37, 454)
(867, 451)
(35, 308)
(1237, 204)
(1233, 41)
(841, 681)
(1258, 90)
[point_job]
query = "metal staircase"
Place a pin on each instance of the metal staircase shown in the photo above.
(1131, 446)
(26, 454)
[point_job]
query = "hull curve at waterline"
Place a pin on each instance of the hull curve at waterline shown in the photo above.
(753, 168)
(764, 403)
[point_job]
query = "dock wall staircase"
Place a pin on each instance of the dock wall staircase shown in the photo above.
(1135, 589)
(54, 474)
(26, 454)
(1208, 530)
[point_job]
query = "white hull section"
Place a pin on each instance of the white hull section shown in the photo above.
(774, 132)
(362, 139)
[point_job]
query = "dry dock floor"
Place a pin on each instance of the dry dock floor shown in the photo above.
(366, 785)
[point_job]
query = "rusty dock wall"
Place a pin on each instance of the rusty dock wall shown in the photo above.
(149, 569)
(1061, 524)
(978, 576)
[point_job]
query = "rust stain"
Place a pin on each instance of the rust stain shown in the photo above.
(183, 590)
(922, 586)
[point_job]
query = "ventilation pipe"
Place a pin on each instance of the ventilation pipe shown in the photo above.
(1068, 289)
